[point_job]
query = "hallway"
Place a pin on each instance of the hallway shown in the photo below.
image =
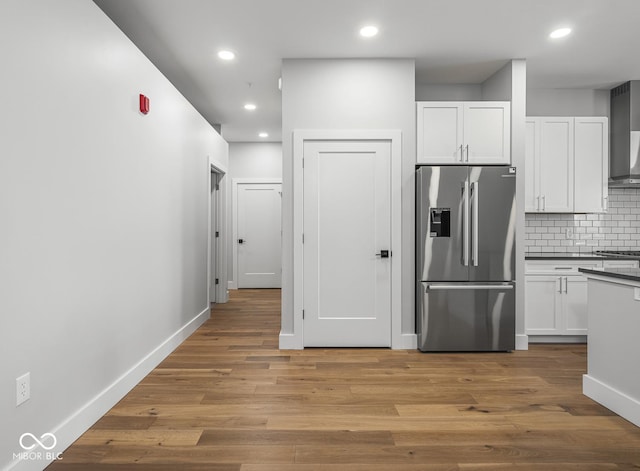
(228, 400)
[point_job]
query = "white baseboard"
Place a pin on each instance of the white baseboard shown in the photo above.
(290, 342)
(557, 339)
(623, 405)
(78, 423)
(522, 342)
(405, 342)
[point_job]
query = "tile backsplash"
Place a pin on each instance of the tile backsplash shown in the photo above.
(617, 229)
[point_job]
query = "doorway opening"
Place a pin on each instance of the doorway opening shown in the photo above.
(215, 253)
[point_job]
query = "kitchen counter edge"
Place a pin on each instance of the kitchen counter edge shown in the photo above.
(631, 274)
(571, 256)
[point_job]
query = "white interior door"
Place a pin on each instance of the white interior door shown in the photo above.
(259, 234)
(347, 221)
(213, 249)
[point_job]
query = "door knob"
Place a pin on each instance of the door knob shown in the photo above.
(384, 254)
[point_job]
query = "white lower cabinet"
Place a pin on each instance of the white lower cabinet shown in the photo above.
(556, 305)
(556, 296)
(542, 310)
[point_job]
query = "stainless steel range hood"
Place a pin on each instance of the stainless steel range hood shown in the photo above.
(624, 161)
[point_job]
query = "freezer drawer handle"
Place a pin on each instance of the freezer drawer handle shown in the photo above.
(496, 287)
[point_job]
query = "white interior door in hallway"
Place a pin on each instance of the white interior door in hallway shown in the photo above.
(259, 234)
(213, 241)
(346, 230)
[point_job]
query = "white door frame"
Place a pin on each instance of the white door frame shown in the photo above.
(219, 270)
(295, 340)
(233, 284)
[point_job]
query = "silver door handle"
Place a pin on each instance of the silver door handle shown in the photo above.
(461, 153)
(605, 203)
(467, 160)
(474, 223)
(538, 203)
(459, 287)
(544, 203)
(465, 223)
(566, 285)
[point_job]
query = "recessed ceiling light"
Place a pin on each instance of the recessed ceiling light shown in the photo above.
(226, 55)
(368, 31)
(263, 134)
(560, 33)
(250, 106)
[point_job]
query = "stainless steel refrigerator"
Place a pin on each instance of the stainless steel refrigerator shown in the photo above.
(465, 267)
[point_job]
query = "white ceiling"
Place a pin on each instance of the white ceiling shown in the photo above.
(452, 41)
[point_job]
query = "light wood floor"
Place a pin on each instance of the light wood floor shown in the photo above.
(229, 400)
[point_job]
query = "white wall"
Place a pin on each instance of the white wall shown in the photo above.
(567, 102)
(104, 214)
(449, 92)
(509, 84)
(259, 160)
(255, 160)
(349, 94)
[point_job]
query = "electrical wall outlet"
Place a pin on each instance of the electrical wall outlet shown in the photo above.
(23, 388)
(569, 232)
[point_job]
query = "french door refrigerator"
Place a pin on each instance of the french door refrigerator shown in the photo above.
(465, 267)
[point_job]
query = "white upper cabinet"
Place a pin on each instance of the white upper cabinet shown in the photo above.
(566, 164)
(463, 132)
(591, 187)
(556, 165)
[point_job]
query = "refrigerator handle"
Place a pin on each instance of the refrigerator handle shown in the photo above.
(474, 222)
(461, 286)
(465, 223)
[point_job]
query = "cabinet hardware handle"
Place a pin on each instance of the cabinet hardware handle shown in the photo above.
(544, 203)
(538, 203)
(467, 153)
(465, 223)
(461, 153)
(605, 201)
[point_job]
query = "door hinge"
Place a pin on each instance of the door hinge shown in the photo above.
(217, 281)
(303, 162)
(217, 234)
(303, 238)
(303, 314)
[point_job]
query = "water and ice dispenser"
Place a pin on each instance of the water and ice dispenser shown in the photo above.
(439, 222)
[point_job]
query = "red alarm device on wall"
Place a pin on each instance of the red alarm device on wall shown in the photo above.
(144, 104)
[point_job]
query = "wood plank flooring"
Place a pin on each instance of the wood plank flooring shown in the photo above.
(229, 400)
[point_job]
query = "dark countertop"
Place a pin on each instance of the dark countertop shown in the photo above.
(632, 274)
(567, 256)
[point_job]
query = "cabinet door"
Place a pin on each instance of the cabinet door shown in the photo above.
(542, 305)
(591, 150)
(574, 306)
(439, 129)
(556, 165)
(487, 127)
(532, 166)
